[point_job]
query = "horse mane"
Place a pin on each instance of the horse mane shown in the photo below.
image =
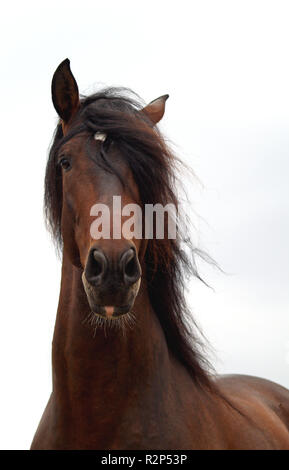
(168, 262)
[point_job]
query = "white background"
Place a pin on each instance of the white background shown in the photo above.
(225, 65)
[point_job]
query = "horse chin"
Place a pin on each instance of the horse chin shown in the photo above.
(111, 312)
(114, 311)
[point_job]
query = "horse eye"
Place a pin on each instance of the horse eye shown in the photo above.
(65, 164)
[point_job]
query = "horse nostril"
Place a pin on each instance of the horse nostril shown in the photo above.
(95, 267)
(99, 261)
(130, 267)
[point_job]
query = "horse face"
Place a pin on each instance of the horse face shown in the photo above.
(111, 267)
(110, 260)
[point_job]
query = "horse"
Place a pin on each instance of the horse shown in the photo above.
(128, 367)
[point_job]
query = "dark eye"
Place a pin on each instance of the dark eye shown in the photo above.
(65, 163)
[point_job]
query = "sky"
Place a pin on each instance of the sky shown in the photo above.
(225, 66)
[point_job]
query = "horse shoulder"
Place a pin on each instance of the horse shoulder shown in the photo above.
(263, 410)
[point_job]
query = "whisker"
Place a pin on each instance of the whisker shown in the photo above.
(121, 324)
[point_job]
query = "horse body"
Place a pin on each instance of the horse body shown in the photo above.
(123, 382)
(114, 391)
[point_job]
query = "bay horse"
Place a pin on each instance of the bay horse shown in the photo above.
(129, 371)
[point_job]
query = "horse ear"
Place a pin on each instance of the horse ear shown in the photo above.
(64, 90)
(156, 109)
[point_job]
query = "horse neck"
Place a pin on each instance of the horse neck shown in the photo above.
(85, 360)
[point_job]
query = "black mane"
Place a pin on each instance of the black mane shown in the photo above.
(116, 112)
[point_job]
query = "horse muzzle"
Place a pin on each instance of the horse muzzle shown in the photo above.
(111, 282)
